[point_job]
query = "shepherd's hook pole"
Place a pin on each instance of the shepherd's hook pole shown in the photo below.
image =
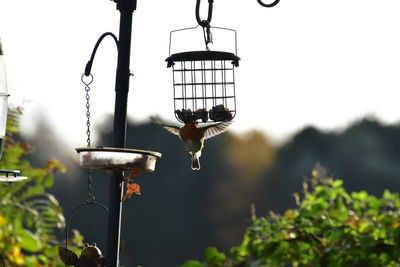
(126, 9)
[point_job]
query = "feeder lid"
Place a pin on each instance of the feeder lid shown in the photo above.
(202, 55)
(11, 176)
(117, 159)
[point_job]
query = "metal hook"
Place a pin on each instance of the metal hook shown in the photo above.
(268, 5)
(204, 23)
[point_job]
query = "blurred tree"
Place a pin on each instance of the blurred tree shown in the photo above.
(250, 152)
(181, 212)
(367, 151)
(329, 227)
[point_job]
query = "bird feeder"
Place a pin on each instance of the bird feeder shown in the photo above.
(204, 80)
(5, 175)
(3, 100)
(117, 159)
(204, 85)
(111, 159)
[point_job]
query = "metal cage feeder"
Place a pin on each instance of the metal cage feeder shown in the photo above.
(204, 84)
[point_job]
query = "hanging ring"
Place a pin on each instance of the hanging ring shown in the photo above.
(74, 210)
(268, 5)
(88, 77)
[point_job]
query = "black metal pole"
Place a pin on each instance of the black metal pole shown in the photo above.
(126, 8)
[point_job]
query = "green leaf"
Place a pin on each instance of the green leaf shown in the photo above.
(337, 183)
(51, 252)
(360, 195)
(214, 257)
(48, 181)
(42, 259)
(364, 226)
(32, 191)
(29, 241)
(193, 263)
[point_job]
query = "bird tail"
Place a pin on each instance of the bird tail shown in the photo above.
(195, 163)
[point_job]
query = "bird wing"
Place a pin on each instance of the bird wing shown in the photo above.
(170, 128)
(216, 129)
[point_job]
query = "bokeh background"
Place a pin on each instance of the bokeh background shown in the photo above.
(317, 84)
(181, 212)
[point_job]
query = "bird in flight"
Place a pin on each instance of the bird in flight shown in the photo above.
(193, 136)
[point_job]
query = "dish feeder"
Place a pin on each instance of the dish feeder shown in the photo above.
(11, 176)
(5, 175)
(3, 100)
(111, 159)
(117, 159)
(204, 84)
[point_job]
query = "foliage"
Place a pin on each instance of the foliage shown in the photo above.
(29, 216)
(329, 227)
(215, 210)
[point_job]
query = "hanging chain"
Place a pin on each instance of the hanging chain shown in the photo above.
(90, 197)
(208, 38)
(87, 97)
(205, 23)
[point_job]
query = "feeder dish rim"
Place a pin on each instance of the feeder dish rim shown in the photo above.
(12, 179)
(115, 149)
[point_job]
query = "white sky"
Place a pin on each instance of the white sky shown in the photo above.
(319, 62)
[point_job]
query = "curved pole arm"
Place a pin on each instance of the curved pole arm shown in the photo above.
(268, 5)
(89, 64)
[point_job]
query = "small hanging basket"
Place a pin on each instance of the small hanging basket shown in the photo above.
(91, 254)
(204, 84)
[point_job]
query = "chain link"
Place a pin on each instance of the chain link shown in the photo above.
(208, 38)
(87, 97)
(205, 23)
(90, 197)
